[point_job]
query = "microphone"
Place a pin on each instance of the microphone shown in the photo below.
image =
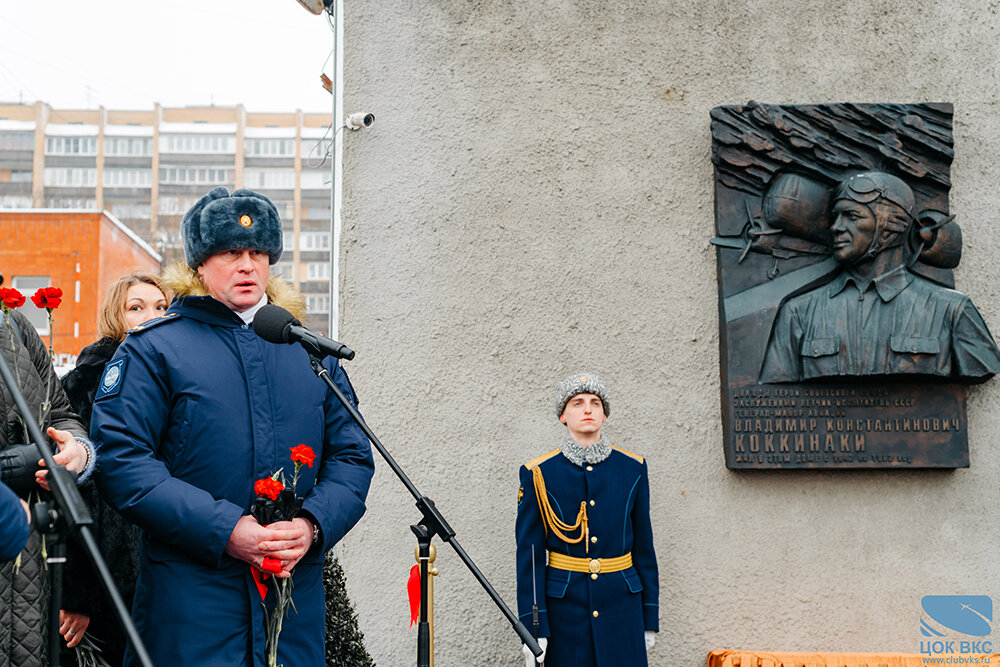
(276, 325)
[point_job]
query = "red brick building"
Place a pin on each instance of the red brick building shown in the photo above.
(81, 252)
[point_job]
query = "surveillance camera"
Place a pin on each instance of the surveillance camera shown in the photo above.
(356, 121)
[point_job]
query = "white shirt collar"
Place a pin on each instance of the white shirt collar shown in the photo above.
(247, 315)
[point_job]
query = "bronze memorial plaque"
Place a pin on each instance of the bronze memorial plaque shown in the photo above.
(844, 343)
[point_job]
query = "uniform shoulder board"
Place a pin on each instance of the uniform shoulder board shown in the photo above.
(628, 453)
(146, 326)
(544, 457)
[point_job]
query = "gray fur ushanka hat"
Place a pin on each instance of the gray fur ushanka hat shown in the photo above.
(581, 383)
(221, 221)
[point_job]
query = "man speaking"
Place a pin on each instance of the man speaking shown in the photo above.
(193, 408)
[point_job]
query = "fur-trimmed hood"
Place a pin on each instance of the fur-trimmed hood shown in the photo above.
(182, 280)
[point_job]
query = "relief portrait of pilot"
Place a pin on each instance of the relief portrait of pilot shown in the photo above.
(876, 317)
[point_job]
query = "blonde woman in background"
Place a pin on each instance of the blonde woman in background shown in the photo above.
(131, 300)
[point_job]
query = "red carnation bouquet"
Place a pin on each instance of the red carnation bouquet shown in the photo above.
(48, 298)
(274, 502)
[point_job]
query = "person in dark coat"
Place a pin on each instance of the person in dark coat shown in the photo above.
(129, 301)
(193, 408)
(24, 583)
(585, 554)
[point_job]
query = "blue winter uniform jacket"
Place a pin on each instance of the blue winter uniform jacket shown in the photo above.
(591, 621)
(193, 408)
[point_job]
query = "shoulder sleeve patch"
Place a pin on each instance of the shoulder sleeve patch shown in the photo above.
(146, 326)
(628, 453)
(544, 457)
(112, 379)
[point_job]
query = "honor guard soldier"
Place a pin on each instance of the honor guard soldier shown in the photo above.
(586, 567)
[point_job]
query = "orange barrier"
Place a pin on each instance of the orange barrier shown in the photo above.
(782, 659)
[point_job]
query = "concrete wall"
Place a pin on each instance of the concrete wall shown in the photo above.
(535, 198)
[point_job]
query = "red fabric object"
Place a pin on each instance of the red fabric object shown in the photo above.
(413, 591)
(259, 578)
(270, 566)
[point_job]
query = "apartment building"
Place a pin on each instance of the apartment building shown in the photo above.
(148, 167)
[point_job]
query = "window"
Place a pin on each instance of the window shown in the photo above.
(318, 213)
(283, 179)
(17, 141)
(128, 146)
(286, 209)
(15, 201)
(71, 145)
(131, 211)
(197, 143)
(197, 175)
(176, 205)
(71, 177)
(288, 241)
(315, 241)
(270, 147)
(17, 176)
(128, 178)
(315, 180)
(318, 271)
(70, 202)
(317, 304)
(27, 285)
(283, 269)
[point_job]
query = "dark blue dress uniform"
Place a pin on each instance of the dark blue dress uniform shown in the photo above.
(597, 596)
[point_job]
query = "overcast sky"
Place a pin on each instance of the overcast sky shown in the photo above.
(128, 54)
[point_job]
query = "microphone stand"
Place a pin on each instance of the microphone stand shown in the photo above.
(68, 514)
(432, 523)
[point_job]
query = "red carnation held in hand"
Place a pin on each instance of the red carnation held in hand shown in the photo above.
(268, 487)
(303, 454)
(47, 297)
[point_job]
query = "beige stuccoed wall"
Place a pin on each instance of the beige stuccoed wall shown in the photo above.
(535, 198)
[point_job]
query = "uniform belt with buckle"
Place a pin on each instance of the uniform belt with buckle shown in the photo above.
(591, 565)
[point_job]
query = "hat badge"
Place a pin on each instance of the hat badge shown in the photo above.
(583, 378)
(245, 220)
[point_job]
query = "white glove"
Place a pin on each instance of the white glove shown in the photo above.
(650, 639)
(529, 657)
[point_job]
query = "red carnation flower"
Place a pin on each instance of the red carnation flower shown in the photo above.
(268, 487)
(47, 297)
(303, 454)
(11, 298)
